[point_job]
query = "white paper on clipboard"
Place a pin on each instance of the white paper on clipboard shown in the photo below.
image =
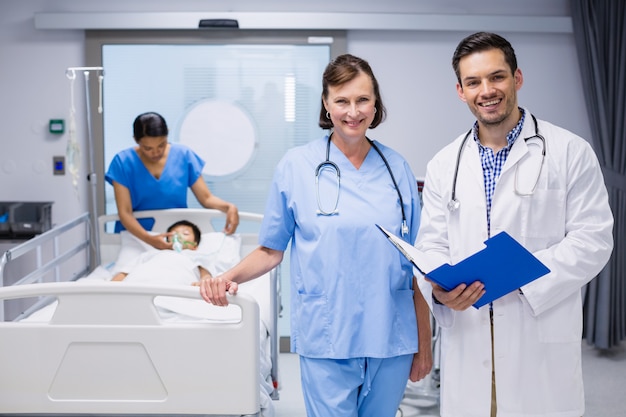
(417, 258)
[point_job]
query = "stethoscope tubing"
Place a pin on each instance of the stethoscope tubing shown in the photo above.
(327, 162)
(453, 204)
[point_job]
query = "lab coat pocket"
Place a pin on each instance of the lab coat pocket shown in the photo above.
(314, 323)
(561, 324)
(543, 215)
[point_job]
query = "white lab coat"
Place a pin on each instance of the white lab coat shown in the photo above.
(567, 224)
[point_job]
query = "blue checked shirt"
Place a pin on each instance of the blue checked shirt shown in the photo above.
(492, 163)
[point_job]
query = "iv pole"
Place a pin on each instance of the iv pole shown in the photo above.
(91, 176)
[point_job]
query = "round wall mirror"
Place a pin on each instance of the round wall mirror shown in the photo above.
(222, 134)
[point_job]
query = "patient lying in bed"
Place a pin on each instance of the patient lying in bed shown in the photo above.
(186, 267)
(213, 253)
(181, 265)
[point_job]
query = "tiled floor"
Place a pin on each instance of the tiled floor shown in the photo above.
(290, 403)
(604, 373)
(418, 398)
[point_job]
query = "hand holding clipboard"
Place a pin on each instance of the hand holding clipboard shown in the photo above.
(503, 266)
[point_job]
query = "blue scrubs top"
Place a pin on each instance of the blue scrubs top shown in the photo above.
(182, 169)
(351, 290)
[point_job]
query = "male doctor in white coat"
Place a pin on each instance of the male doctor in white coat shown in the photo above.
(521, 355)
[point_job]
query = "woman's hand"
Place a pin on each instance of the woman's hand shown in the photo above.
(211, 201)
(214, 290)
(232, 219)
(125, 213)
(423, 359)
(160, 241)
(422, 364)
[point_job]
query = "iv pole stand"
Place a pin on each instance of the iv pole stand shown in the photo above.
(91, 176)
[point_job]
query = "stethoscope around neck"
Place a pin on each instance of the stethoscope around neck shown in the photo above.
(454, 203)
(328, 164)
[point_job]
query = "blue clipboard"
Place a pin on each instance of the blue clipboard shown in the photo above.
(502, 266)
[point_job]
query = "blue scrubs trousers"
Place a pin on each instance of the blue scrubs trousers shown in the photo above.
(358, 387)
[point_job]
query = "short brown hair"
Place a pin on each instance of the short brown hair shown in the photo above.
(483, 41)
(341, 70)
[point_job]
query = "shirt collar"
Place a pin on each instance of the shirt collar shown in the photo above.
(510, 137)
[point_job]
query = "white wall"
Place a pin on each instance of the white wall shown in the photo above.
(419, 86)
(33, 90)
(413, 68)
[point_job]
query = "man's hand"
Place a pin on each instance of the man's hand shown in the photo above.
(460, 298)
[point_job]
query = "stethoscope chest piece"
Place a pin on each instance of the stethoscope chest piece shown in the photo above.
(453, 205)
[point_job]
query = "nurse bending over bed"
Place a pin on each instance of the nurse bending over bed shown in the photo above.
(155, 175)
(182, 265)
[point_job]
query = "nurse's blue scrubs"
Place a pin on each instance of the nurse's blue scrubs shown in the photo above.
(352, 312)
(182, 169)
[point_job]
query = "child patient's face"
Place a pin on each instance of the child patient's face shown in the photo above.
(186, 235)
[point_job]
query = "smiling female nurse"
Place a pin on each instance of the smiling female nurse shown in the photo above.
(354, 300)
(155, 175)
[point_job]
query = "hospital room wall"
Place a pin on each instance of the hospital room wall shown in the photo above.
(413, 68)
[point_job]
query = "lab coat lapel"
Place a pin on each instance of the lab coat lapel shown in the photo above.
(471, 168)
(518, 151)
(520, 147)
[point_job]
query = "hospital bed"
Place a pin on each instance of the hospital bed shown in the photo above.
(84, 345)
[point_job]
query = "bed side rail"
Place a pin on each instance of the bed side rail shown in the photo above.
(276, 308)
(106, 303)
(60, 253)
(38, 241)
(109, 351)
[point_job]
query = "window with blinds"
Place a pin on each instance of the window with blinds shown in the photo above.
(238, 99)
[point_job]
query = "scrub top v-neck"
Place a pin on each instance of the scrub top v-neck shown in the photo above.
(182, 169)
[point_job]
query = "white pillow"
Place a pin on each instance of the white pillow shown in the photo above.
(211, 242)
(223, 249)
